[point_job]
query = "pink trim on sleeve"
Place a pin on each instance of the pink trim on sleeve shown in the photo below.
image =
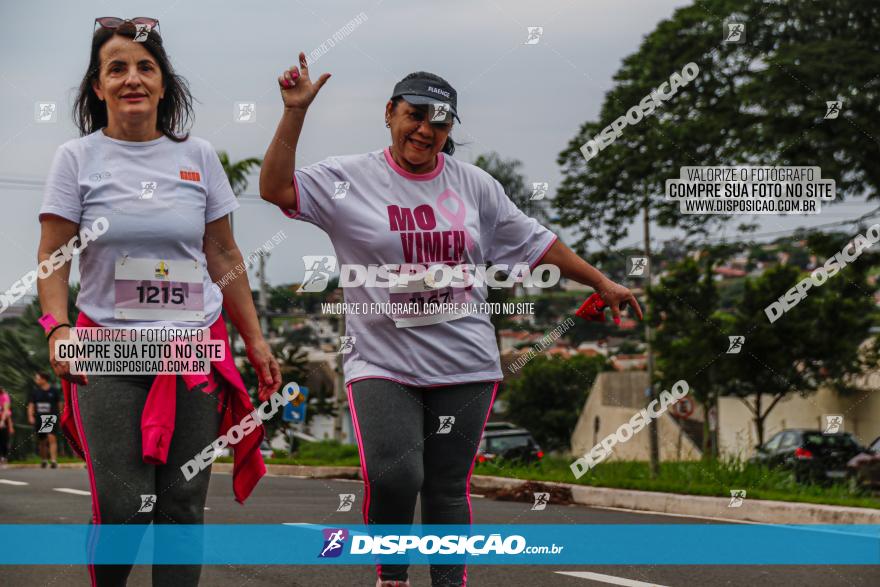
(544, 252)
(298, 210)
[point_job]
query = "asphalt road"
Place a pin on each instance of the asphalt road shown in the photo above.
(292, 500)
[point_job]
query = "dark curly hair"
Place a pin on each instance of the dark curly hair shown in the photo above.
(175, 108)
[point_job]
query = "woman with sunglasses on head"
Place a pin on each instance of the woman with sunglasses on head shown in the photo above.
(163, 200)
(407, 374)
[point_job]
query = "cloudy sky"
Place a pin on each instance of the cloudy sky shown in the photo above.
(523, 101)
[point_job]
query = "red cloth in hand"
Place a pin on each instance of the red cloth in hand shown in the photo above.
(593, 309)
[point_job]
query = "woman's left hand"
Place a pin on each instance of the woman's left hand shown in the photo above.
(616, 297)
(268, 372)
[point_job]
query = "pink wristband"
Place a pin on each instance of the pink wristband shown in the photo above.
(47, 321)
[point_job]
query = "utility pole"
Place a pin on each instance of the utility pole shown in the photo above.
(653, 434)
(263, 301)
(340, 381)
(232, 331)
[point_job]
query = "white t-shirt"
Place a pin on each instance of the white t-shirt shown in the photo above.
(157, 197)
(463, 216)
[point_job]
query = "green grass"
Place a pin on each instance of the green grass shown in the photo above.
(328, 453)
(688, 477)
(693, 478)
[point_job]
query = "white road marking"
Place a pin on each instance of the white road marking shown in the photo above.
(607, 579)
(869, 530)
(71, 491)
(671, 515)
(318, 527)
(11, 482)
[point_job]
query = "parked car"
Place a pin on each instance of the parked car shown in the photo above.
(508, 443)
(500, 426)
(809, 454)
(864, 468)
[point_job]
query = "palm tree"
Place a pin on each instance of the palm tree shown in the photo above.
(237, 173)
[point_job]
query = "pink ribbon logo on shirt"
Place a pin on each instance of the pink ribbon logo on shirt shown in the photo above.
(457, 218)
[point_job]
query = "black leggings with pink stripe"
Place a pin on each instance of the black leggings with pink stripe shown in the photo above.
(108, 417)
(409, 448)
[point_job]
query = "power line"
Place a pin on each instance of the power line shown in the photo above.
(857, 220)
(752, 237)
(37, 184)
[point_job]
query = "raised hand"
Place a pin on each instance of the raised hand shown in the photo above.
(297, 88)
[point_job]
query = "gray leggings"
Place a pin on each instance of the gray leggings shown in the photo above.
(108, 412)
(407, 447)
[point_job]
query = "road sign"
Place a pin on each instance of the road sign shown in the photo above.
(683, 408)
(297, 414)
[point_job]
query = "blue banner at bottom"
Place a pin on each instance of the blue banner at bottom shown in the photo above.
(521, 544)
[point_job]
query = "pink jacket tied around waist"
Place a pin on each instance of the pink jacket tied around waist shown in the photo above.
(157, 420)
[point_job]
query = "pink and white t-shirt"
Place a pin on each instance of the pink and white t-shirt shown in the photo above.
(377, 213)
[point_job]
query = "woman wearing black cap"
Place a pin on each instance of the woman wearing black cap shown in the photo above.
(420, 383)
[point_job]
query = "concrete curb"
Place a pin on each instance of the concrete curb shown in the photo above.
(751, 510)
(300, 471)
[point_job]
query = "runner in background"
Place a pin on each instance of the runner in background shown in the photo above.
(420, 385)
(43, 415)
(7, 428)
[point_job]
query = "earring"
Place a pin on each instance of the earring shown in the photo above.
(387, 124)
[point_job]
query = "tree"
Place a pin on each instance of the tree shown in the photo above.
(758, 102)
(281, 300)
(548, 396)
(238, 171)
(816, 343)
(689, 335)
(507, 173)
(292, 361)
(24, 351)
(739, 109)
(23, 347)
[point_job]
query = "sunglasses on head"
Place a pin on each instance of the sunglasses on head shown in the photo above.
(114, 22)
